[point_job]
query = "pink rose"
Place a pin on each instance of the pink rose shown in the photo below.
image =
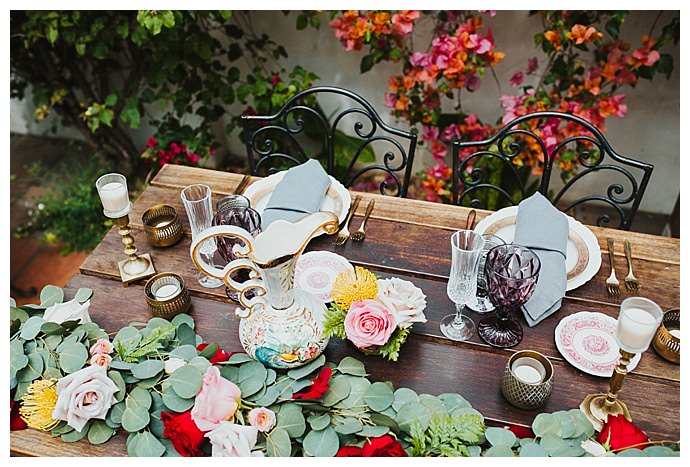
(217, 400)
(101, 346)
(368, 323)
(262, 418)
(101, 359)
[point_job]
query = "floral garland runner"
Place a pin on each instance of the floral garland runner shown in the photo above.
(177, 395)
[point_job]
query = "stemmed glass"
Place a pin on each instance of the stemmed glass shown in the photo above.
(197, 203)
(481, 303)
(466, 248)
(511, 275)
(239, 215)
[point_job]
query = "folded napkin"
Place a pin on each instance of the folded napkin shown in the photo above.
(543, 229)
(299, 193)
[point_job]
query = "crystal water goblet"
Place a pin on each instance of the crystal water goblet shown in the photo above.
(197, 202)
(481, 302)
(511, 275)
(466, 249)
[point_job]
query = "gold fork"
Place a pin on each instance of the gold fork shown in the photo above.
(344, 233)
(243, 184)
(630, 280)
(359, 235)
(612, 284)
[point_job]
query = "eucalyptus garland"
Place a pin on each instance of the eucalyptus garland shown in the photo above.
(350, 411)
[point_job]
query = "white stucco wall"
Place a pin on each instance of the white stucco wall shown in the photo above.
(650, 131)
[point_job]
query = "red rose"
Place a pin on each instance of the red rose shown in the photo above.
(620, 433)
(186, 437)
(16, 422)
(520, 431)
(319, 385)
(219, 357)
(383, 446)
(349, 451)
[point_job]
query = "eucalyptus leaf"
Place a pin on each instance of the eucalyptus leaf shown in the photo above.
(433, 403)
(31, 328)
(358, 388)
(319, 422)
(116, 412)
(569, 451)
(135, 418)
(51, 329)
(183, 318)
(18, 314)
(128, 337)
(278, 443)
(148, 446)
(100, 432)
(201, 364)
(17, 358)
(500, 436)
(73, 357)
(148, 383)
(230, 372)
(120, 365)
(632, 453)
(567, 422)
(52, 342)
(545, 423)
(239, 358)
(83, 294)
(499, 451)
(412, 412)
(660, 451)
(379, 396)
(74, 435)
(339, 389)
(270, 376)
(532, 449)
(157, 322)
(251, 386)
(291, 419)
(268, 398)
(185, 352)
(306, 370)
(552, 443)
(385, 420)
(369, 431)
(321, 443)
(402, 396)
(32, 370)
(186, 335)
(186, 381)
(50, 295)
(176, 403)
(156, 425)
(253, 369)
(351, 366)
(148, 368)
(139, 397)
(349, 426)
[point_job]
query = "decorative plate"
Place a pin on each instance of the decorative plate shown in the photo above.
(337, 199)
(583, 255)
(316, 271)
(587, 340)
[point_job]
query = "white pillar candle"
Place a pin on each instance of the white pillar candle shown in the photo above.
(166, 292)
(114, 196)
(529, 370)
(636, 327)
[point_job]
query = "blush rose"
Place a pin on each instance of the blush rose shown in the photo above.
(262, 418)
(232, 440)
(404, 300)
(368, 322)
(101, 359)
(101, 346)
(216, 401)
(84, 395)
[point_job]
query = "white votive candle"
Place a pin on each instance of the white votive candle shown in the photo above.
(112, 189)
(638, 321)
(675, 333)
(529, 370)
(166, 292)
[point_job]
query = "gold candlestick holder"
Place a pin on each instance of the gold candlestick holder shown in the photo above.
(597, 407)
(136, 266)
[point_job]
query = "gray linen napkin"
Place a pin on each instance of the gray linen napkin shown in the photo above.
(543, 229)
(299, 193)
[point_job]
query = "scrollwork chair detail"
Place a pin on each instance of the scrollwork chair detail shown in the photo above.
(624, 180)
(301, 130)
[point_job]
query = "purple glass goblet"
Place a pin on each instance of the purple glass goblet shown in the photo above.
(246, 218)
(511, 273)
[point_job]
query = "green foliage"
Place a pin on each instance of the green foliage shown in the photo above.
(391, 349)
(133, 349)
(333, 323)
(446, 435)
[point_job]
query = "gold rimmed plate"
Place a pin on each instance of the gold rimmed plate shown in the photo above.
(583, 255)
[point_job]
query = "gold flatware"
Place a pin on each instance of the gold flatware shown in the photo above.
(612, 284)
(471, 217)
(243, 184)
(344, 233)
(359, 235)
(631, 281)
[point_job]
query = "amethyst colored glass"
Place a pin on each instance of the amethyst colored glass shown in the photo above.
(511, 273)
(239, 216)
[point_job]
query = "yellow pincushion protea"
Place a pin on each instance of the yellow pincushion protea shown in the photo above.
(353, 286)
(38, 404)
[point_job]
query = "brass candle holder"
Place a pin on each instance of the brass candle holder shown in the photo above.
(167, 295)
(597, 407)
(136, 266)
(162, 226)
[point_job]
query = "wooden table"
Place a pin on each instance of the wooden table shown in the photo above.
(408, 239)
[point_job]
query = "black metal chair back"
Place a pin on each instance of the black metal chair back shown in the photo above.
(485, 172)
(354, 131)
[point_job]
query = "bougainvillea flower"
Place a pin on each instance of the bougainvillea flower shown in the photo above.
(517, 79)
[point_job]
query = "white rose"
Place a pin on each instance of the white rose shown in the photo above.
(405, 301)
(233, 440)
(84, 395)
(68, 311)
(594, 448)
(173, 364)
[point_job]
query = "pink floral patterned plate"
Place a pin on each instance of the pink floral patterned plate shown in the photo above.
(587, 340)
(316, 271)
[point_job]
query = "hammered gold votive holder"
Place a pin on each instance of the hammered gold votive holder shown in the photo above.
(527, 380)
(162, 226)
(166, 295)
(667, 338)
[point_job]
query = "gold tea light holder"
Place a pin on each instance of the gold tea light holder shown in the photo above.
(166, 295)
(528, 379)
(112, 189)
(162, 226)
(667, 338)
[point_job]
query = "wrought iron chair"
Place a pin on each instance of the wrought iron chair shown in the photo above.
(487, 174)
(345, 141)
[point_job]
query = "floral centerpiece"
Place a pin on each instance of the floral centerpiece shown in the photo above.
(376, 315)
(177, 395)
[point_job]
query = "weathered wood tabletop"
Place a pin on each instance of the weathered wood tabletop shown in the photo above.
(408, 239)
